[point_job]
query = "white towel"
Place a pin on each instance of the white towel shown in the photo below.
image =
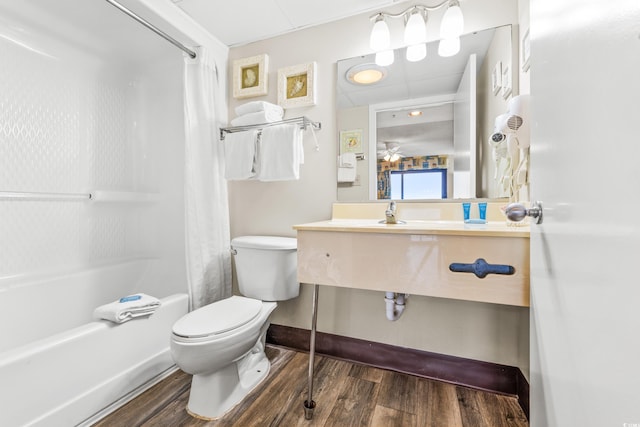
(130, 307)
(347, 167)
(257, 106)
(240, 154)
(257, 118)
(347, 160)
(281, 153)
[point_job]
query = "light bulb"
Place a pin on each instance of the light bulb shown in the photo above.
(387, 157)
(449, 47)
(395, 157)
(384, 58)
(380, 38)
(415, 31)
(416, 52)
(452, 24)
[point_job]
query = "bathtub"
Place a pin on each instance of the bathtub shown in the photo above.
(61, 367)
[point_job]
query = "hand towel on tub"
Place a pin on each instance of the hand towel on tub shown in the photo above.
(127, 308)
(281, 153)
(240, 155)
(258, 106)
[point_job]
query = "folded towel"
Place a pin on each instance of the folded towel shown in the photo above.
(281, 153)
(347, 160)
(258, 106)
(347, 167)
(127, 308)
(257, 118)
(346, 174)
(240, 154)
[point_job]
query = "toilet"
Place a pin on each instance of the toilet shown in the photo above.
(222, 344)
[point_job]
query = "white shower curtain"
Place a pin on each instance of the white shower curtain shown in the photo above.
(206, 204)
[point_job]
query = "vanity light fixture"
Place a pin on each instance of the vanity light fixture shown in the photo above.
(415, 32)
(451, 29)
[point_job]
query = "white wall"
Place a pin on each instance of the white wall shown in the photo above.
(474, 330)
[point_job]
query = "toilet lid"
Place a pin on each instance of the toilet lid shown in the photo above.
(218, 317)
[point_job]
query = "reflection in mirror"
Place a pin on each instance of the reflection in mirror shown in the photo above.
(421, 136)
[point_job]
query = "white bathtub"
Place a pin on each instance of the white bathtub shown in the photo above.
(58, 366)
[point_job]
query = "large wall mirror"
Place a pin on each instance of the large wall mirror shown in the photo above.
(422, 130)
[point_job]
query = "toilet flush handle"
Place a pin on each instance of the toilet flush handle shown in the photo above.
(233, 251)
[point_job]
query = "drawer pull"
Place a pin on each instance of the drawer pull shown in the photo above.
(481, 268)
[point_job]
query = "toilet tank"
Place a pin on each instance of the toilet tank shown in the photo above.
(266, 267)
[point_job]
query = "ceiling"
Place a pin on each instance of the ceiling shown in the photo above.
(237, 22)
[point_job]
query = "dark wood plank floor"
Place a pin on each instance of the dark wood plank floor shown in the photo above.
(346, 394)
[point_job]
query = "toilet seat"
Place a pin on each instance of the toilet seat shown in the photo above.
(217, 318)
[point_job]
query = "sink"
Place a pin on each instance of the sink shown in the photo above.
(384, 221)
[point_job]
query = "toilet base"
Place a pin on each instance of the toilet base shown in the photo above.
(215, 394)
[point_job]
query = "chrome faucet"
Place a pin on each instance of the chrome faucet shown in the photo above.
(390, 213)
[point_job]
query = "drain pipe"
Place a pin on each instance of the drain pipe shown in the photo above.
(395, 304)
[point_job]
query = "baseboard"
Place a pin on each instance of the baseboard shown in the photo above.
(476, 374)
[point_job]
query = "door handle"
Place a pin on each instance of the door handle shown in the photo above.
(516, 212)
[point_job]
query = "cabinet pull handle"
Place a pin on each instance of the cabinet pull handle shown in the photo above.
(481, 268)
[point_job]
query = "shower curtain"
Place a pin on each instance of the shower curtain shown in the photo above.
(208, 256)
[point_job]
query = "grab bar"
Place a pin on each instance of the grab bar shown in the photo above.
(14, 195)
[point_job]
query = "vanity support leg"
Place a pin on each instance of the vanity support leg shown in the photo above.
(309, 404)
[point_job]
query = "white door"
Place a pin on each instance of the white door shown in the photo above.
(585, 257)
(464, 133)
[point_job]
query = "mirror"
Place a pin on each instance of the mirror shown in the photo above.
(441, 149)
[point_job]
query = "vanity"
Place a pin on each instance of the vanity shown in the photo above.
(432, 252)
(416, 257)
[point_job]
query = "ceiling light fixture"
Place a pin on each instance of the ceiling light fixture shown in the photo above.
(415, 32)
(366, 74)
(415, 113)
(391, 152)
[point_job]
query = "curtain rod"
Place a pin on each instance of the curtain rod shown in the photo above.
(153, 28)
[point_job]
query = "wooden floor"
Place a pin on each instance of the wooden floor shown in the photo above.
(346, 395)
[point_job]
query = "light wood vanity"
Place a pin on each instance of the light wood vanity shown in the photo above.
(422, 256)
(415, 257)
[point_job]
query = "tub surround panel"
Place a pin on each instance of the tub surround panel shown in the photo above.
(86, 109)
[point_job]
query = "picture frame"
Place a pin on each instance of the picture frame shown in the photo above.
(351, 141)
(496, 78)
(250, 76)
(506, 81)
(297, 86)
(525, 49)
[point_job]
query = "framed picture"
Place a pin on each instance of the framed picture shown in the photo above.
(496, 78)
(351, 141)
(297, 86)
(250, 76)
(506, 81)
(525, 50)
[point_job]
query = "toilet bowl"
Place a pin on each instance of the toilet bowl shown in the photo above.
(222, 344)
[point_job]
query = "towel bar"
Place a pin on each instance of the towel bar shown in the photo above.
(303, 121)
